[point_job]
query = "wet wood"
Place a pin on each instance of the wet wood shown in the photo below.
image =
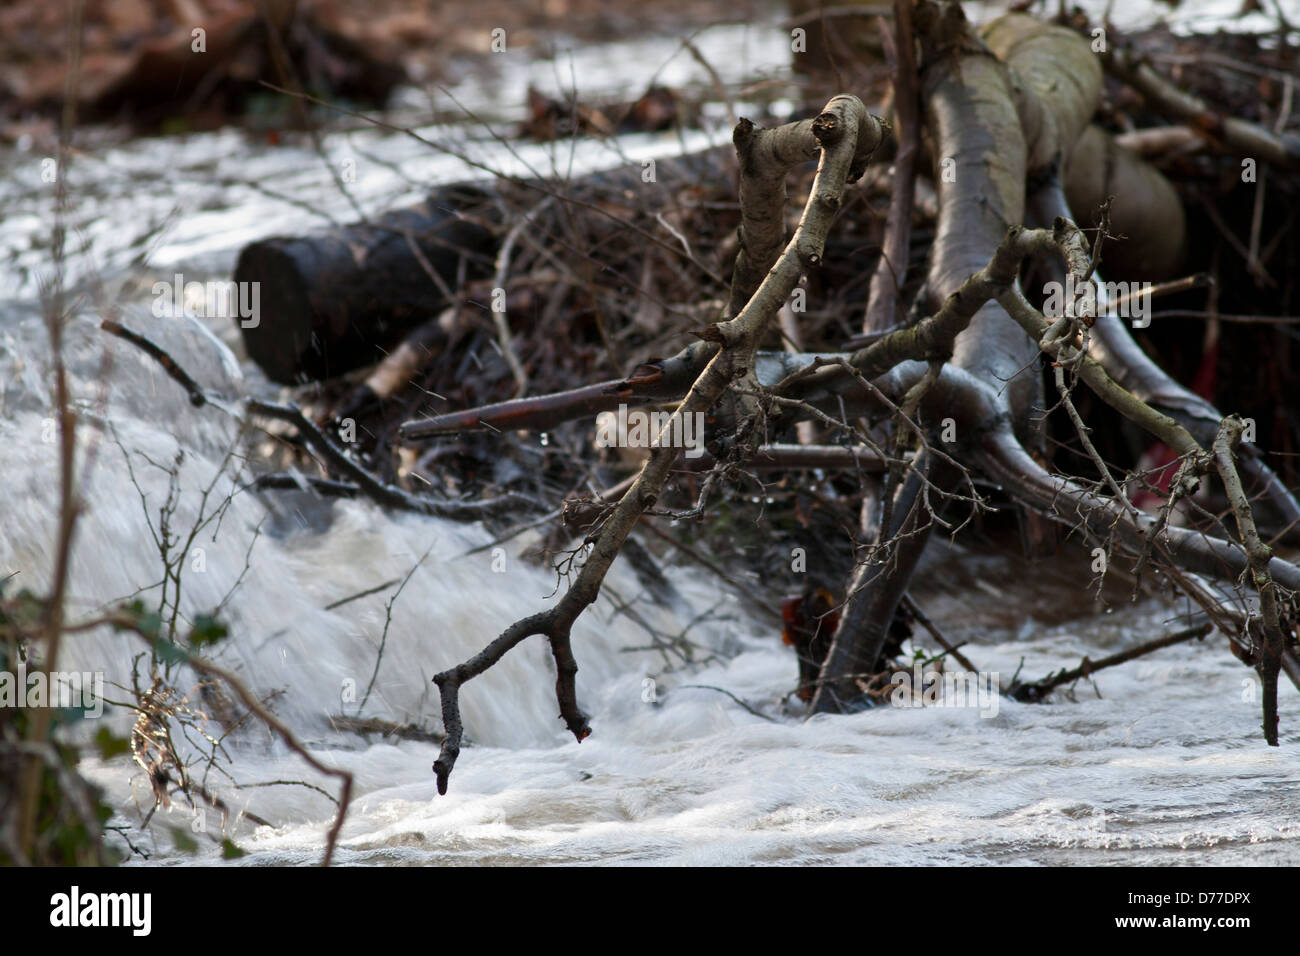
(341, 300)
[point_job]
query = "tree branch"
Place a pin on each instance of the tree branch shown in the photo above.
(837, 132)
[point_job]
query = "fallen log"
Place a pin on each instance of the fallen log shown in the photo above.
(339, 300)
(342, 299)
(1058, 85)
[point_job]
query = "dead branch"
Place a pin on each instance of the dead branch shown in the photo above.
(1259, 555)
(1035, 691)
(766, 157)
(891, 270)
(1124, 361)
(656, 381)
(837, 131)
(334, 457)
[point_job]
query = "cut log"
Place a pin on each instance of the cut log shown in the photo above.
(341, 300)
(338, 301)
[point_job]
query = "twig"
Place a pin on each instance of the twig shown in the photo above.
(1259, 555)
(722, 690)
(198, 398)
(838, 132)
(499, 315)
(1120, 305)
(360, 594)
(707, 562)
(334, 457)
(388, 620)
(915, 611)
(719, 87)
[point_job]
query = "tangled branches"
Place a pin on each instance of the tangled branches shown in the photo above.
(960, 384)
(844, 133)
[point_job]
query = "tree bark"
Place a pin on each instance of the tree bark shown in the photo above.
(338, 301)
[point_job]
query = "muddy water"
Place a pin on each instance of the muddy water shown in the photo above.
(1159, 761)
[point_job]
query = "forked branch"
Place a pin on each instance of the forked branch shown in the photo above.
(838, 133)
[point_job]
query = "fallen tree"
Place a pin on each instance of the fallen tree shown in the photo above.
(999, 114)
(927, 409)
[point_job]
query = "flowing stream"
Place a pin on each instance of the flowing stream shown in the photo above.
(1159, 761)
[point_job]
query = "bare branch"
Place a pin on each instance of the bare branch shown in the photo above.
(836, 130)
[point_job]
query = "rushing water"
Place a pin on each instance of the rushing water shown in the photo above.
(1161, 763)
